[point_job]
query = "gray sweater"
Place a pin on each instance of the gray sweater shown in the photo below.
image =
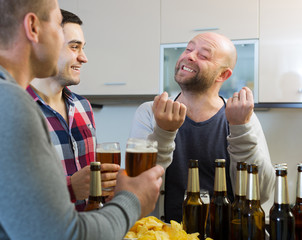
(34, 200)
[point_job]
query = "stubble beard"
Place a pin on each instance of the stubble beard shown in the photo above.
(198, 83)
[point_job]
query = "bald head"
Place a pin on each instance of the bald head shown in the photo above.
(223, 47)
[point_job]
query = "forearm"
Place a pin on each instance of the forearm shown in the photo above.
(247, 143)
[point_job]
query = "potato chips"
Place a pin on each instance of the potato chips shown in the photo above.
(151, 228)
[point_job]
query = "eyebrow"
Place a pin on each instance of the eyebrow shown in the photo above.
(76, 42)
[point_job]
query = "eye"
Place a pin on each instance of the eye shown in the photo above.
(202, 56)
(75, 47)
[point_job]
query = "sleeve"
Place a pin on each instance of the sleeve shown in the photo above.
(34, 199)
(247, 143)
(144, 126)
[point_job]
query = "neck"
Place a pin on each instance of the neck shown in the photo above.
(201, 106)
(18, 66)
(49, 90)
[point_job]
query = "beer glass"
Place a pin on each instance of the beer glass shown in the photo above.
(141, 154)
(108, 152)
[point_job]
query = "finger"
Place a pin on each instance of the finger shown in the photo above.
(107, 176)
(161, 106)
(109, 184)
(169, 106)
(249, 94)
(182, 110)
(242, 95)
(176, 108)
(110, 167)
(158, 171)
(235, 96)
(155, 102)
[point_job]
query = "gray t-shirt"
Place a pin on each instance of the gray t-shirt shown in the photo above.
(34, 200)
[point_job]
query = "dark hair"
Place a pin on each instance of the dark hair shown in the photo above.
(69, 17)
(12, 13)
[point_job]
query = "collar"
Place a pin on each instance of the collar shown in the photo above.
(67, 94)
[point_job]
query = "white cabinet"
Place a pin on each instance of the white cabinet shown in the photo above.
(280, 51)
(182, 20)
(123, 39)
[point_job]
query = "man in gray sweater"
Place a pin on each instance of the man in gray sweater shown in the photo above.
(34, 200)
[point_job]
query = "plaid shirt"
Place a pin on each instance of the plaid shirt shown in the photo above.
(76, 143)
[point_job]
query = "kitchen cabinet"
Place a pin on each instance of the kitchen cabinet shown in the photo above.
(123, 39)
(180, 21)
(280, 51)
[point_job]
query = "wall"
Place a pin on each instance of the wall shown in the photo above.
(282, 128)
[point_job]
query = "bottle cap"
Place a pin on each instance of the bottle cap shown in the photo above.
(241, 166)
(193, 163)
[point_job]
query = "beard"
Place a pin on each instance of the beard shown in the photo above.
(66, 80)
(200, 82)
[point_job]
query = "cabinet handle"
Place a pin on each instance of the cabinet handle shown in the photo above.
(205, 29)
(300, 90)
(114, 83)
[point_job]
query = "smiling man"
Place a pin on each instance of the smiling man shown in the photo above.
(70, 117)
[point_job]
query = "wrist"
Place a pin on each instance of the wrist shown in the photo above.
(71, 192)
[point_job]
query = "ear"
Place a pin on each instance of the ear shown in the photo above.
(225, 75)
(32, 27)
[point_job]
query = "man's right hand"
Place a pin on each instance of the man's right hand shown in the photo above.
(80, 182)
(145, 186)
(169, 115)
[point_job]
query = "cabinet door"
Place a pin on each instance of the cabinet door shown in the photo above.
(280, 51)
(123, 38)
(182, 20)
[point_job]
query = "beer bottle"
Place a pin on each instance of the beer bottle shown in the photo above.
(220, 207)
(239, 202)
(193, 217)
(281, 218)
(95, 195)
(253, 216)
(297, 209)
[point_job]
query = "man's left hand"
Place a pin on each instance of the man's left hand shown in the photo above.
(239, 108)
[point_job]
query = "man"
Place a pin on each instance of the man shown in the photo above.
(34, 200)
(70, 117)
(213, 129)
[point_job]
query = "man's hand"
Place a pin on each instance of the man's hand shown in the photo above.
(169, 115)
(108, 175)
(80, 182)
(239, 108)
(145, 186)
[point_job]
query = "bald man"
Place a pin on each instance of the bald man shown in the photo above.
(213, 128)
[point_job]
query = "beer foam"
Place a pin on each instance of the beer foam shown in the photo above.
(142, 150)
(107, 151)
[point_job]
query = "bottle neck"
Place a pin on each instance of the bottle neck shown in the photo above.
(95, 184)
(193, 180)
(252, 191)
(241, 179)
(220, 180)
(281, 190)
(299, 185)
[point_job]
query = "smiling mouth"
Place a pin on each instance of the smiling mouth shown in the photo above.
(187, 69)
(76, 68)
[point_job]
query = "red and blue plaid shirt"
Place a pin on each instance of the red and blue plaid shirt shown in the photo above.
(76, 143)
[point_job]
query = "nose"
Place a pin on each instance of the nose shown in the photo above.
(192, 56)
(82, 57)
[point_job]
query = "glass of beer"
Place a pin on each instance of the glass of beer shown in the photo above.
(108, 152)
(141, 154)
